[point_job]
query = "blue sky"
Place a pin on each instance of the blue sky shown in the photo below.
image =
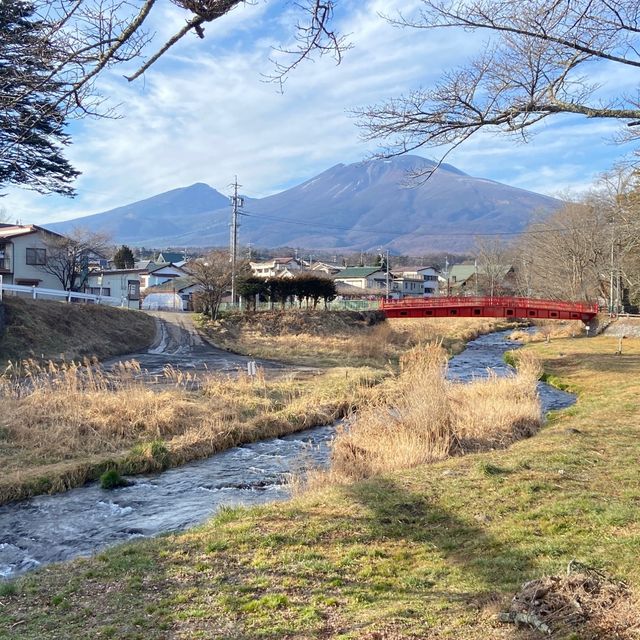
(205, 113)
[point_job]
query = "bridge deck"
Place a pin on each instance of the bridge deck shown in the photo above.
(489, 307)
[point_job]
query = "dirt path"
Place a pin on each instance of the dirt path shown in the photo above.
(178, 344)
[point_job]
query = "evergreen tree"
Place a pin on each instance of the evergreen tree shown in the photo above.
(32, 118)
(124, 258)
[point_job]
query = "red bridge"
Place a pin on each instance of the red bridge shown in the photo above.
(474, 307)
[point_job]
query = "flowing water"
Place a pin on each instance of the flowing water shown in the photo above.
(82, 521)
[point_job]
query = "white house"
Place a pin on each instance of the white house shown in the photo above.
(428, 276)
(407, 285)
(276, 267)
(159, 274)
(123, 284)
(372, 279)
(23, 254)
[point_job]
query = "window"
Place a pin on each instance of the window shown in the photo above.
(133, 289)
(37, 257)
(4, 263)
(100, 291)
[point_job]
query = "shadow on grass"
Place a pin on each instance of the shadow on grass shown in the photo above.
(494, 568)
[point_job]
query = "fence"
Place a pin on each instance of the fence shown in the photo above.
(334, 305)
(36, 292)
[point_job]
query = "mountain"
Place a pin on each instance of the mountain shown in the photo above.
(354, 207)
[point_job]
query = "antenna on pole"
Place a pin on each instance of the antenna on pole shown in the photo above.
(237, 202)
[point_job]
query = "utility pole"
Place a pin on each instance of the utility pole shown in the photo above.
(612, 265)
(237, 202)
(387, 275)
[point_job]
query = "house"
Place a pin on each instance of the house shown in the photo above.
(173, 295)
(176, 258)
(325, 267)
(428, 275)
(23, 254)
(276, 268)
(406, 285)
(371, 280)
(122, 284)
(160, 273)
(472, 279)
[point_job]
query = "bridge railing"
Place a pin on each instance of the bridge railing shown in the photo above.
(488, 301)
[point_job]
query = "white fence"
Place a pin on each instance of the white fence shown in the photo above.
(37, 292)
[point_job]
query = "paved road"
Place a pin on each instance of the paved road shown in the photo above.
(178, 344)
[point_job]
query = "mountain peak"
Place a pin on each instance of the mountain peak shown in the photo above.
(349, 207)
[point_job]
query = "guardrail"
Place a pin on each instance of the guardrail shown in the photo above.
(38, 292)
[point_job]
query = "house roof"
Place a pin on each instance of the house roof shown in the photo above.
(413, 269)
(176, 284)
(171, 256)
(357, 272)
(166, 265)
(15, 230)
(462, 272)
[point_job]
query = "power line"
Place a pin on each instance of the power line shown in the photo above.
(436, 234)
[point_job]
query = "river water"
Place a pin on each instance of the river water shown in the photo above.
(84, 520)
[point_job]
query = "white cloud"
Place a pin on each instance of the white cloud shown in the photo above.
(199, 117)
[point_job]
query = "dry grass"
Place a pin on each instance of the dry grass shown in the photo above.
(46, 329)
(322, 338)
(584, 601)
(546, 331)
(63, 424)
(421, 417)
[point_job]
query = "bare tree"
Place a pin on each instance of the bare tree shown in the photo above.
(535, 65)
(213, 274)
(68, 256)
(492, 265)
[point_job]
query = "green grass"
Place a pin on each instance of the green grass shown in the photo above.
(428, 553)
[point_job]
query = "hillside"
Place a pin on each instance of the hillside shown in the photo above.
(354, 207)
(52, 330)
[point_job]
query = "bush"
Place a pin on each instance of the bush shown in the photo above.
(111, 479)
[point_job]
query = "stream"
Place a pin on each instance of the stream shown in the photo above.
(82, 521)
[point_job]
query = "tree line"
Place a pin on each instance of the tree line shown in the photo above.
(589, 249)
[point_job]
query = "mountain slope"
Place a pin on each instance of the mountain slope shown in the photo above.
(348, 207)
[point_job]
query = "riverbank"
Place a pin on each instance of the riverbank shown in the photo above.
(65, 425)
(432, 552)
(340, 338)
(45, 329)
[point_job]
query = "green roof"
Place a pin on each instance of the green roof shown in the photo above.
(171, 256)
(356, 272)
(462, 272)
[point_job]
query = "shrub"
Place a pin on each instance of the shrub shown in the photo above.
(111, 479)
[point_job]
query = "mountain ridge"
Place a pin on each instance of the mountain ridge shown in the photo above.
(347, 207)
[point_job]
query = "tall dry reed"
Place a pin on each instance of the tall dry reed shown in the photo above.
(422, 417)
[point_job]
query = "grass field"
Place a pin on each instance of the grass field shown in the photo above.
(433, 552)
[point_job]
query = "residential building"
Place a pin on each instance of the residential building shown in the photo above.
(177, 258)
(23, 255)
(372, 280)
(471, 279)
(276, 268)
(173, 295)
(122, 284)
(428, 275)
(160, 273)
(406, 285)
